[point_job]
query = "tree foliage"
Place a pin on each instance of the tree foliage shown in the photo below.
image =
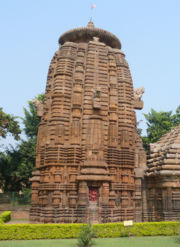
(17, 164)
(9, 124)
(159, 123)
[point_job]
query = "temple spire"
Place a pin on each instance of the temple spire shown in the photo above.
(90, 24)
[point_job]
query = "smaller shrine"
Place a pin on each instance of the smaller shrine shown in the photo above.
(163, 178)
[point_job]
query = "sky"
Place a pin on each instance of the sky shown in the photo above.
(149, 31)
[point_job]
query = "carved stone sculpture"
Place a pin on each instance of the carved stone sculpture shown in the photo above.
(138, 103)
(87, 141)
(40, 107)
(138, 92)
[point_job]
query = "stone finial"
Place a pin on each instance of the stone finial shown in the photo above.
(90, 24)
(85, 34)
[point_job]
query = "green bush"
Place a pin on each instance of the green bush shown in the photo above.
(5, 216)
(112, 230)
(39, 231)
(109, 230)
(1, 222)
(85, 236)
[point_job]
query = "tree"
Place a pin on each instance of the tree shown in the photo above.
(158, 124)
(17, 164)
(176, 116)
(9, 124)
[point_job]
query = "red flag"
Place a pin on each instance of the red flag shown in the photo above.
(93, 6)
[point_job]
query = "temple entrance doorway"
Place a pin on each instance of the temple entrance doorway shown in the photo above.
(93, 205)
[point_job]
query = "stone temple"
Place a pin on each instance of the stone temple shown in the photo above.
(90, 161)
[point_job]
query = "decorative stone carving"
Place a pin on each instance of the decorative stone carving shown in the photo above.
(40, 106)
(97, 99)
(138, 93)
(138, 103)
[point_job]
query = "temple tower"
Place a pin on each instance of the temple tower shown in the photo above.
(86, 144)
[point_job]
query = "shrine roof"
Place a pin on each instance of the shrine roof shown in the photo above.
(171, 138)
(164, 155)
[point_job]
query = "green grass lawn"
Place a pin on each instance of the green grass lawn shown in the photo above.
(105, 242)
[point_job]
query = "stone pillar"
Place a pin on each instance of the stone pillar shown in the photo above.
(104, 202)
(34, 196)
(83, 193)
(82, 202)
(35, 185)
(105, 193)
